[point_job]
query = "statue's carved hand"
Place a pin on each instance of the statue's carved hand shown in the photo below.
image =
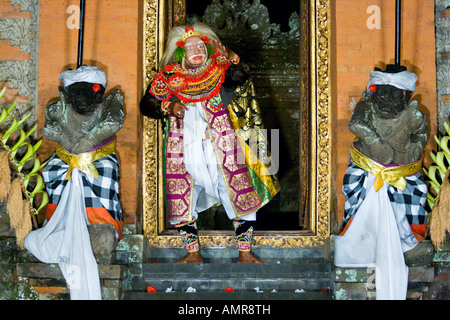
(53, 131)
(382, 152)
(414, 152)
(82, 146)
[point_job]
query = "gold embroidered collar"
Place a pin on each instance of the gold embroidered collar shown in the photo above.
(191, 85)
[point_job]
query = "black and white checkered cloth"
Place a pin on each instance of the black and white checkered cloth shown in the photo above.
(98, 192)
(411, 201)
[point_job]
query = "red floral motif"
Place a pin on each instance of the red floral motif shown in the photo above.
(180, 44)
(159, 87)
(229, 290)
(163, 87)
(96, 87)
(373, 87)
(189, 29)
(206, 40)
(168, 68)
(177, 82)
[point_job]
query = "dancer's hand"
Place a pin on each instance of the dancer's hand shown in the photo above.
(177, 108)
(220, 48)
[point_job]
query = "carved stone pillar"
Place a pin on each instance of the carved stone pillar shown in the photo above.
(20, 72)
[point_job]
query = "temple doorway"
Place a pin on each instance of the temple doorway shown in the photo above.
(266, 36)
(288, 51)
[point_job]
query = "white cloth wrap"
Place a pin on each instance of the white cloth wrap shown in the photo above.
(64, 239)
(83, 74)
(402, 80)
(201, 163)
(373, 240)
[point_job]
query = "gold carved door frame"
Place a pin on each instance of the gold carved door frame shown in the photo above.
(316, 145)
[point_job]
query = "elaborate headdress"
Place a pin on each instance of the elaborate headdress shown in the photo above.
(175, 51)
(190, 32)
(180, 52)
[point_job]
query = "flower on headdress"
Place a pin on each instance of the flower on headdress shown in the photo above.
(96, 87)
(206, 40)
(373, 87)
(180, 43)
(189, 29)
(229, 290)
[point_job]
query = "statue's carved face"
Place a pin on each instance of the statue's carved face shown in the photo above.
(84, 96)
(389, 101)
(195, 52)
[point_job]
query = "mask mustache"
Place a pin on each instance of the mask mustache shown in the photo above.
(197, 55)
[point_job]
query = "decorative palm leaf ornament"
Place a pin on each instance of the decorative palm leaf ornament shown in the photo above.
(439, 190)
(21, 192)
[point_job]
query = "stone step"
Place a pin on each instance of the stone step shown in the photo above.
(52, 271)
(227, 270)
(306, 276)
(238, 295)
(285, 270)
(230, 255)
(245, 285)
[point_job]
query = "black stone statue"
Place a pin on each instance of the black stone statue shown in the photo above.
(390, 129)
(83, 119)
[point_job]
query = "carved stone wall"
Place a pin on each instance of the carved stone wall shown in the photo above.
(443, 62)
(19, 29)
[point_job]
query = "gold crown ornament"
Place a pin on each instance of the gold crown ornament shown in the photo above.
(190, 32)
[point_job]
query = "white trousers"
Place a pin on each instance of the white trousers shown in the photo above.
(201, 163)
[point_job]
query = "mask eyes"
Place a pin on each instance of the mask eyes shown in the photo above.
(200, 45)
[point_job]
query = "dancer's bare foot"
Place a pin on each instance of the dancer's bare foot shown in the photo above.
(192, 257)
(247, 257)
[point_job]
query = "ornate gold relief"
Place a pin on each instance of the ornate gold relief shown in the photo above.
(159, 16)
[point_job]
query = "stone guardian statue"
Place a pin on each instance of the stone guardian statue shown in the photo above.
(384, 191)
(84, 216)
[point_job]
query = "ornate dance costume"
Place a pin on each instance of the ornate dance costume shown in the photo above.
(217, 153)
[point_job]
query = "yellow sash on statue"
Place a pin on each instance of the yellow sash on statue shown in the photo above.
(395, 175)
(83, 161)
